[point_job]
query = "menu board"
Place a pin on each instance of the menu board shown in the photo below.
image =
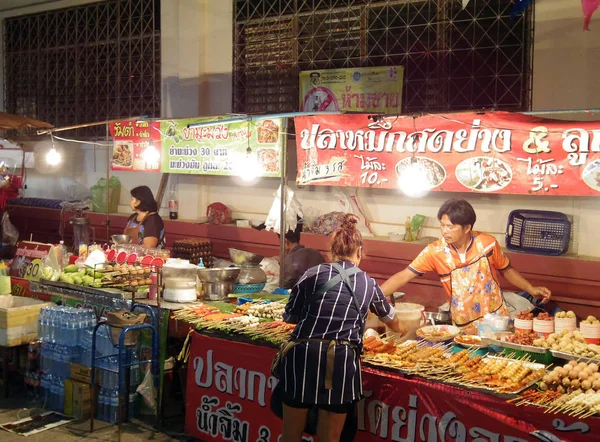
(136, 147)
(496, 152)
(221, 148)
(27, 252)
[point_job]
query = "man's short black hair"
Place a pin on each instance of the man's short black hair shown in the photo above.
(459, 211)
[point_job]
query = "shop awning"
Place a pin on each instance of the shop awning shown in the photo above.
(18, 122)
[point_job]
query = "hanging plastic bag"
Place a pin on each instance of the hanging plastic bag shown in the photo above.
(146, 389)
(219, 213)
(346, 200)
(292, 208)
(99, 203)
(10, 234)
(271, 268)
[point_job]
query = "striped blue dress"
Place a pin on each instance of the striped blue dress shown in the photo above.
(332, 316)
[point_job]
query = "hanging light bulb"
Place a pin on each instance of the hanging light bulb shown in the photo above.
(414, 180)
(53, 157)
(151, 156)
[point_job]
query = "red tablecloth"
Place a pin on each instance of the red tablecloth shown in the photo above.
(229, 387)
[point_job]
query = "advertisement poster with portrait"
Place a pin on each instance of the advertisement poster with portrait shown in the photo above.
(373, 89)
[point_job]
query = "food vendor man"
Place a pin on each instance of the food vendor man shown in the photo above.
(467, 263)
(298, 258)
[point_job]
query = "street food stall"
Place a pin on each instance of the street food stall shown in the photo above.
(534, 378)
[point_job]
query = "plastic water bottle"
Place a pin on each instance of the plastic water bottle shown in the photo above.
(114, 406)
(54, 394)
(44, 389)
(101, 404)
(134, 376)
(132, 405)
(61, 395)
(41, 324)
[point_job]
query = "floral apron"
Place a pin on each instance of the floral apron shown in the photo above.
(475, 292)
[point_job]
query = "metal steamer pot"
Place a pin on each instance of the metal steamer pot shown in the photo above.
(215, 284)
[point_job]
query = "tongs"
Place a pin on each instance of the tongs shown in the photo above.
(394, 296)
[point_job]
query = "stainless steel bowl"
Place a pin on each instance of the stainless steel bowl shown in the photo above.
(219, 274)
(121, 239)
(242, 258)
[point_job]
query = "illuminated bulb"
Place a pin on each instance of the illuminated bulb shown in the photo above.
(53, 158)
(248, 169)
(151, 155)
(413, 181)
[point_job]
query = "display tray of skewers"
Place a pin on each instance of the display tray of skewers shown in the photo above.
(126, 277)
(257, 320)
(572, 389)
(504, 376)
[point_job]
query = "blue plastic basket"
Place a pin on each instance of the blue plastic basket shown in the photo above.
(246, 289)
(538, 231)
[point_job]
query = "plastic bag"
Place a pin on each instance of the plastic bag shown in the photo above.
(271, 268)
(219, 213)
(99, 203)
(328, 223)
(10, 234)
(293, 210)
(517, 304)
(347, 201)
(146, 389)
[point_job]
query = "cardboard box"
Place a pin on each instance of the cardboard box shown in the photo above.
(81, 373)
(19, 319)
(68, 397)
(82, 401)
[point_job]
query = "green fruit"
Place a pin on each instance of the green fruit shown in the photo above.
(77, 280)
(97, 285)
(90, 272)
(98, 275)
(71, 268)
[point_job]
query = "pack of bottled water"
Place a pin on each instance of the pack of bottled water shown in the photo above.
(67, 335)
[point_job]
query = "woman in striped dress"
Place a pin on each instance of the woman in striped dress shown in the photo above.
(322, 366)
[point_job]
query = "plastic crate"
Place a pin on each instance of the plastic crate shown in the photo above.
(538, 231)
(248, 289)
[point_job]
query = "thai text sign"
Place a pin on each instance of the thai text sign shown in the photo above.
(375, 89)
(229, 390)
(248, 148)
(489, 153)
(136, 146)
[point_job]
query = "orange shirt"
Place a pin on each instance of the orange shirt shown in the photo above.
(441, 258)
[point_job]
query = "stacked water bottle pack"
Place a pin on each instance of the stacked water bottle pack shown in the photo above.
(66, 335)
(60, 329)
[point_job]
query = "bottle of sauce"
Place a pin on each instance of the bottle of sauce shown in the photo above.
(173, 205)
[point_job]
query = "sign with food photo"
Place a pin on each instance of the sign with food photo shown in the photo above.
(233, 149)
(495, 152)
(372, 89)
(136, 146)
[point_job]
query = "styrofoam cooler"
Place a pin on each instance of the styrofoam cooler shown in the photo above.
(543, 328)
(523, 325)
(591, 333)
(561, 324)
(411, 316)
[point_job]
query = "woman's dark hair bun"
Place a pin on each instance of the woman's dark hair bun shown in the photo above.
(350, 221)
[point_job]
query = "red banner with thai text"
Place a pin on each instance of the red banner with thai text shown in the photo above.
(495, 152)
(229, 390)
(137, 146)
